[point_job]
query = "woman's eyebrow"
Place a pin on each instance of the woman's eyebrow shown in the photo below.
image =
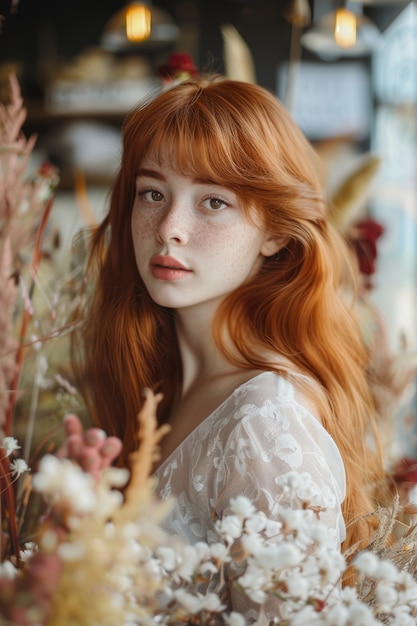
(151, 173)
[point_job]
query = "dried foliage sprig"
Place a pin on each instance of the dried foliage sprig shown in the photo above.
(25, 204)
(143, 459)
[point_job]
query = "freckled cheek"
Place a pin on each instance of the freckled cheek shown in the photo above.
(231, 251)
(142, 228)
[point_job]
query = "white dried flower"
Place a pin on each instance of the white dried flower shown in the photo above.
(29, 549)
(367, 563)
(8, 571)
(18, 467)
(229, 528)
(234, 619)
(9, 445)
(61, 481)
(242, 506)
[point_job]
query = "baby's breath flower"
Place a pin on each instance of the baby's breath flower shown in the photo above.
(18, 467)
(9, 445)
(29, 549)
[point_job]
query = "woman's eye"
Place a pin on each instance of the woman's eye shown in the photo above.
(215, 204)
(151, 195)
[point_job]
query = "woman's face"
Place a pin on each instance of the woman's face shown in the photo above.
(193, 243)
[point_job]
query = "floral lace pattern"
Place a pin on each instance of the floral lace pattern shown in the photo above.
(260, 432)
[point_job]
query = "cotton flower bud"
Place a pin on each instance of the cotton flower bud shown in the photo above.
(234, 619)
(403, 619)
(168, 558)
(367, 563)
(252, 544)
(319, 533)
(256, 595)
(307, 615)
(272, 528)
(278, 557)
(189, 564)
(203, 550)
(297, 586)
(338, 614)
(229, 528)
(387, 570)
(386, 596)
(256, 523)
(218, 552)
(212, 603)
(362, 615)
(242, 507)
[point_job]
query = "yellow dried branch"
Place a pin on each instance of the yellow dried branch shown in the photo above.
(144, 457)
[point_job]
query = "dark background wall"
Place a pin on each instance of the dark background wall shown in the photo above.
(39, 33)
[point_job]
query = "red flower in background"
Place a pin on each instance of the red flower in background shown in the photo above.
(405, 471)
(363, 237)
(179, 66)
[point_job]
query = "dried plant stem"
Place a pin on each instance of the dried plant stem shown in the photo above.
(8, 497)
(26, 317)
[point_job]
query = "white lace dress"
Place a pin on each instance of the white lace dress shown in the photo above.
(262, 430)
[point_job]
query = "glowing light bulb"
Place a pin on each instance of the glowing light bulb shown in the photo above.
(138, 22)
(345, 28)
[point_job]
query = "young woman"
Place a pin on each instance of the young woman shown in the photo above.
(218, 280)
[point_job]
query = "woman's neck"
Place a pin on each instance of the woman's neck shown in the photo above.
(201, 358)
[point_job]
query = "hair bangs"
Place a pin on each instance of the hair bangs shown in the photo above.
(199, 151)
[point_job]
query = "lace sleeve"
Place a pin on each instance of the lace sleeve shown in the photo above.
(272, 440)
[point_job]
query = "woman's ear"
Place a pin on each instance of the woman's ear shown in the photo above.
(272, 245)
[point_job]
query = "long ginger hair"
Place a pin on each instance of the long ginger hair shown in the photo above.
(239, 136)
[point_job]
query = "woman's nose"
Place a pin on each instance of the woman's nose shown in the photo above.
(174, 224)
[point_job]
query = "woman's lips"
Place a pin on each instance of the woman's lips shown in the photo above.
(167, 268)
